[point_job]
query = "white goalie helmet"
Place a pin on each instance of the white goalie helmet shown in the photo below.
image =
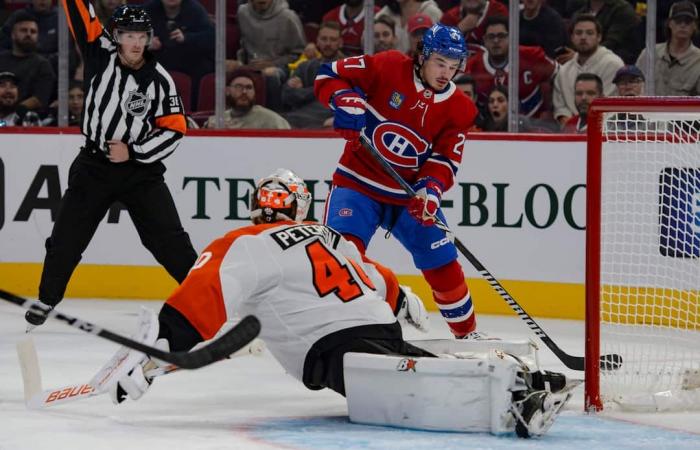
(283, 195)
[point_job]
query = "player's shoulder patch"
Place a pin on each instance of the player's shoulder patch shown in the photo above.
(396, 99)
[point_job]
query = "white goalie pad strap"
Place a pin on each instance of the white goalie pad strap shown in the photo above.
(468, 395)
(125, 358)
(458, 348)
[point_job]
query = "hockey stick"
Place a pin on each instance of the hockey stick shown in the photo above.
(607, 362)
(233, 340)
(36, 397)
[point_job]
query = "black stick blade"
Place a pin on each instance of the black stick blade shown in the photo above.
(613, 361)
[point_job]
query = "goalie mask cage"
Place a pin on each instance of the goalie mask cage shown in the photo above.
(643, 253)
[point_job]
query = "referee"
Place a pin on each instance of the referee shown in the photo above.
(133, 119)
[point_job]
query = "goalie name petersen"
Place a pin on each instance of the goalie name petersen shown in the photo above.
(292, 236)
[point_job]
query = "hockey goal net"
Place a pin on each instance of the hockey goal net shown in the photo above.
(643, 253)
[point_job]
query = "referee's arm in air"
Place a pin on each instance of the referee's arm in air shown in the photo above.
(133, 119)
(130, 98)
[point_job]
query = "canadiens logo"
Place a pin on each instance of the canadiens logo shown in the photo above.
(136, 103)
(396, 100)
(407, 365)
(345, 212)
(399, 145)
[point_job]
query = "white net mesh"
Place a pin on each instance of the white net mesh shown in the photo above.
(650, 259)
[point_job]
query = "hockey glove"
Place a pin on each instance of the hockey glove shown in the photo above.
(412, 310)
(426, 202)
(136, 383)
(349, 107)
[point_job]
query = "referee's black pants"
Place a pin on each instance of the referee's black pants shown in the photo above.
(94, 183)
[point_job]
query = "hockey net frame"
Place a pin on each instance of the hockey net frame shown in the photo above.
(598, 135)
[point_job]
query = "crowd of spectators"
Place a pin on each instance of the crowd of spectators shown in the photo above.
(571, 51)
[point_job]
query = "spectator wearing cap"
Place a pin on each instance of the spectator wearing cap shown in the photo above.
(244, 113)
(677, 61)
(36, 78)
(351, 17)
(618, 22)
(46, 16)
(629, 81)
(416, 29)
(9, 98)
(536, 16)
(470, 17)
(400, 11)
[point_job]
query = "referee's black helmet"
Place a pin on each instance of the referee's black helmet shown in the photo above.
(130, 18)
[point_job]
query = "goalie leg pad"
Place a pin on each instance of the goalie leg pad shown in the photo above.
(487, 392)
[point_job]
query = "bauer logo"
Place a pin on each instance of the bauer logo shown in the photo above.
(679, 212)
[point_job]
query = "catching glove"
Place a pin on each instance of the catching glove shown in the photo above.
(426, 202)
(349, 107)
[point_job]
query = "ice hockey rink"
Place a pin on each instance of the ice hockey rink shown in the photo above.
(250, 403)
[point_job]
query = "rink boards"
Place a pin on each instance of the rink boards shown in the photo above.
(518, 205)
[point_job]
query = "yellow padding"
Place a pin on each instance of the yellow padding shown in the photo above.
(541, 299)
(672, 308)
(555, 300)
(93, 281)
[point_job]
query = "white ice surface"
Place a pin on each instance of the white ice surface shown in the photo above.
(250, 403)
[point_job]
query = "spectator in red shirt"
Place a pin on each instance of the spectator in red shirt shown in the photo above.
(588, 86)
(471, 15)
(351, 17)
(490, 68)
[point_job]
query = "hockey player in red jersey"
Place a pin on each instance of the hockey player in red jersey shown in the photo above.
(418, 120)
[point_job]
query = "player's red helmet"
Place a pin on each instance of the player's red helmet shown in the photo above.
(280, 196)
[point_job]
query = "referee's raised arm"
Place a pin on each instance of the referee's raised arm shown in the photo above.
(82, 21)
(133, 119)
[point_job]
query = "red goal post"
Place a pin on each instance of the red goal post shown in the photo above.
(643, 173)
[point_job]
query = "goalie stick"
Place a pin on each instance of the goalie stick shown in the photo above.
(233, 340)
(607, 362)
(36, 397)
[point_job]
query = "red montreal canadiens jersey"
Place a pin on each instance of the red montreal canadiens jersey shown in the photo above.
(535, 68)
(351, 28)
(422, 133)
(493, 8)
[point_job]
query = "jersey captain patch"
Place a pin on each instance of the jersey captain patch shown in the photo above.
(136, 103)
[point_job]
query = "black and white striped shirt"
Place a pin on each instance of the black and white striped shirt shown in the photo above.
(138, 107)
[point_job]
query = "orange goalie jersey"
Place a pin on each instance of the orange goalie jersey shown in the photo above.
(303, 281)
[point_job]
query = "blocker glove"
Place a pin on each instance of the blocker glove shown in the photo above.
(349, 107)
(424, 205)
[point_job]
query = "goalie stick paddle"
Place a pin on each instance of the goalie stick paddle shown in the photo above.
(233, 340)
(607, 362)
(38, 397)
